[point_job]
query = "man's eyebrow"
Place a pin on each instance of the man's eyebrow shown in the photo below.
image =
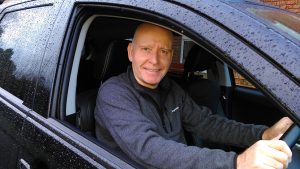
(144, 45)
(169, 49)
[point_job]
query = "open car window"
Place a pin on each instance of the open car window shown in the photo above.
(95, 61)
(201, 70)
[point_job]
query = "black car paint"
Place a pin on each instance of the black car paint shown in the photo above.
(258, 59)
(44, 143)
(11, 129)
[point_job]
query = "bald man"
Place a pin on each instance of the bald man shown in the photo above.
(143, 112)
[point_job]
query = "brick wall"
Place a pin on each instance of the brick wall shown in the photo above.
(176, 49)
(291, 5)
(176, 66)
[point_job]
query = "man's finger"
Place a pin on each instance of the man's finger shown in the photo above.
(283, 150)
(272, 163)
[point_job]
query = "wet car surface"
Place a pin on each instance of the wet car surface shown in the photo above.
(50, 53)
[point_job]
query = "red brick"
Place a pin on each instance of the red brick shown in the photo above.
(291, 5)
(290, 2)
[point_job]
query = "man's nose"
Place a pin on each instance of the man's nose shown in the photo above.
(154, 57)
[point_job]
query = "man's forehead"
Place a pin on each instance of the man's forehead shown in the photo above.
(153, 41)
(153, 29)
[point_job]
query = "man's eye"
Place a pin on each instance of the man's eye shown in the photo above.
(146, 49)
(164, 51)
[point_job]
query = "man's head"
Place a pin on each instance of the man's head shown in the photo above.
(151, 54)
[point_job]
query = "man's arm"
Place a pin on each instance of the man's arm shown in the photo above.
(200, 121)
(269, 152)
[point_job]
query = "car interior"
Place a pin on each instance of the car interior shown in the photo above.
(101, 53)
(106, 56)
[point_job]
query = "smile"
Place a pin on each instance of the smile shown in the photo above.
(152, 70)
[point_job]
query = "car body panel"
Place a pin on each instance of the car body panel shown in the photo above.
(11, 123)
(257, 34)
(33, 124)
(256, 63)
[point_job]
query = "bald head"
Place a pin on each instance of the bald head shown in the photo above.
(146, 28)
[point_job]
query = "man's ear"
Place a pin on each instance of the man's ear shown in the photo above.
(129, 51)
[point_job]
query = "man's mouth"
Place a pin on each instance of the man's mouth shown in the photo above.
(152, 70)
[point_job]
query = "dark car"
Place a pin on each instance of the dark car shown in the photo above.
(54, 55)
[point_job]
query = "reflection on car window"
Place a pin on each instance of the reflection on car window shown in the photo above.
(287, 22)
(241, 81)
(23, 37)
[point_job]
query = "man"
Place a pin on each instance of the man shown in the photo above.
(144, 112)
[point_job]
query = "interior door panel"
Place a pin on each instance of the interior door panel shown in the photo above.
(251, 106)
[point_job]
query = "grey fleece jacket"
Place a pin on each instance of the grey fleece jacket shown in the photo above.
(148, 125)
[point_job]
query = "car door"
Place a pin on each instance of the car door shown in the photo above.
(28, 140)
(19, 66)
(208, 33)
(244, 92)
(50, 136)
(253, 104)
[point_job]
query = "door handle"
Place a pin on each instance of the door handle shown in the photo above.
(23, 164)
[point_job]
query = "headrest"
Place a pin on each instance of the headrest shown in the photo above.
(198, 59)
(112, 61)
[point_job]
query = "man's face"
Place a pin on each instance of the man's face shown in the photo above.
(151, 54)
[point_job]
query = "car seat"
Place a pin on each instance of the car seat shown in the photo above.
(110, 61)
(204, 91)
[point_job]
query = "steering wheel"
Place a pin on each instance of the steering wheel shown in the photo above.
(291, 137)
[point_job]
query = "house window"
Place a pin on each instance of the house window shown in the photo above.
(186, 45)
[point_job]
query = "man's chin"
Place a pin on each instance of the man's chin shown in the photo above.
(151, 81)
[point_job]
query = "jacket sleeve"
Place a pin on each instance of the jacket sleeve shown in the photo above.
(200, 121)
(118, 108)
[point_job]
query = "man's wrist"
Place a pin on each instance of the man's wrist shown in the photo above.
(239, 158)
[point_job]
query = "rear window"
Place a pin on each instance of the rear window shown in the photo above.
(23, 37)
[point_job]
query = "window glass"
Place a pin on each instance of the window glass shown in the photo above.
(23, 36)
(241, 81)
(286, 22)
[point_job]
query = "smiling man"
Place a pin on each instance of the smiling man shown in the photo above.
(143, 112)
(151, 54)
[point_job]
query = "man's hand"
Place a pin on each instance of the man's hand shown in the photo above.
(278, 129)
(265, 154)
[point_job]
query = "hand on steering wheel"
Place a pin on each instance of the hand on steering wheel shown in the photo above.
(272, 153)
(265, 154)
